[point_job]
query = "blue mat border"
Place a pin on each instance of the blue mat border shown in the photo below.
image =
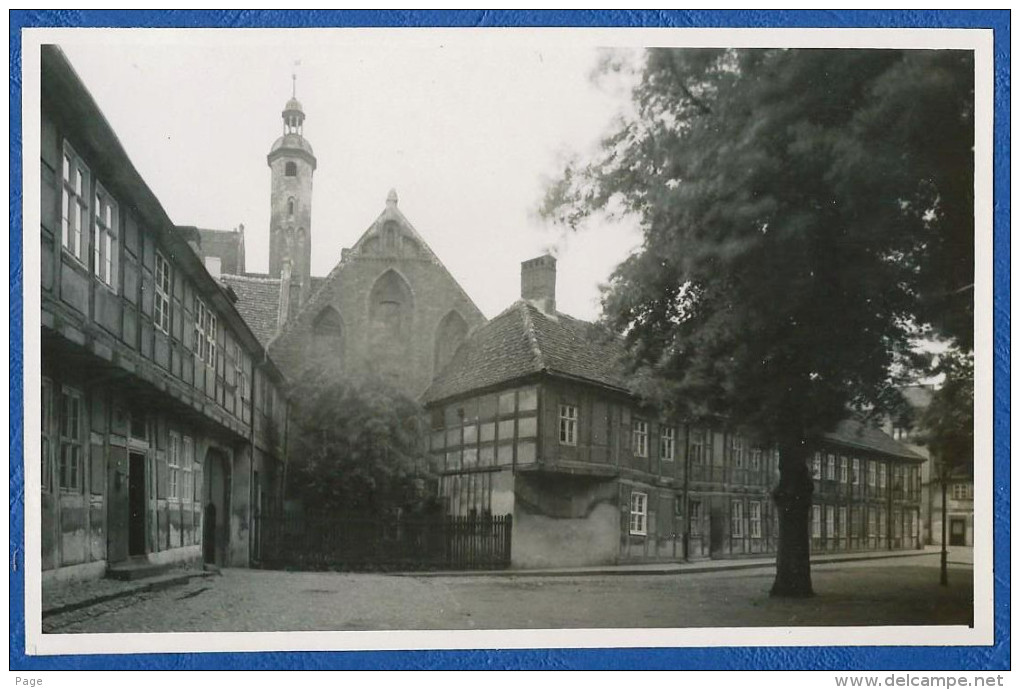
(878, 658)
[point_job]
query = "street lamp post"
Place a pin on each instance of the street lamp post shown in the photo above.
(944, 571)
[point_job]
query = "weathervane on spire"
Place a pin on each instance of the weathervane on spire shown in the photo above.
(293, 77)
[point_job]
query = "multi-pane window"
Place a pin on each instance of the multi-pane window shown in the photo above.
(842, 522)
(755, 508)
(872, 519)
(855, 471)
(568, 425)
(640, 438)
(695, 511)
(737, 519)
(667, 443)
(816, 521)
(161, 305)
(697, 446)
(638, 513)
(174, 466)
(104, 238)
(961, 492)
(756, 455)
(816, 466)
(70, 440)
(737, 451)
(881, 475)
(74, 204)
(830, 467)
(830, 521)
(187, 469)
(871, 474)
(46, 426)
(205, 333)
(844, 470)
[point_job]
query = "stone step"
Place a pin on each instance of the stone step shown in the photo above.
(136, 569)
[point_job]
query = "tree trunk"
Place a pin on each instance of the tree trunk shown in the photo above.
(793, 501)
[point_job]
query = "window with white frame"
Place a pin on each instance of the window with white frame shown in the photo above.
(205, 333)
(46, 426)
(697, 443)
(737, 451)
(667, 445)
(872, 472)
(755, 509)
(70, 440)
(187, 468)
(855, 471)
(638, 513)
(174, 467)
(882, 475)
(830, 521)
(882, 519)
(816, 466)
(737, 519)
(816, 521)
(843, 530)
(872, 520)
(830, 467)
(74, 204)
(104, 238)
(961, 492)
(756, 455)
(161, 304)
(844, 470)
(640, 438)
(568, 425)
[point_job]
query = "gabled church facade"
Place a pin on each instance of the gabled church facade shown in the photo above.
(388, 307)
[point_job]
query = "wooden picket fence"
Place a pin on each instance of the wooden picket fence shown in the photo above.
(302, 542)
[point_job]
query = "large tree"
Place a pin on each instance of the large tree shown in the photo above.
(356, 444)
(807, 216)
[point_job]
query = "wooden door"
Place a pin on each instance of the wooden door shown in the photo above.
(117, 505)
(136, 505)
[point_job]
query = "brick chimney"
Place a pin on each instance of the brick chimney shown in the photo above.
(538, 282)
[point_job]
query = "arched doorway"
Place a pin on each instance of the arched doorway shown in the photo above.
(216, 507)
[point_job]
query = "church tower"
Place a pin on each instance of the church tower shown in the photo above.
(292, 164)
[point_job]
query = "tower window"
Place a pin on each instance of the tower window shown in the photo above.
(290, 204)
(290, 170)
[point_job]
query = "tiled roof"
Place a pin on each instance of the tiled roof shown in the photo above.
(523, 340)
(258, 302)
(857, 434)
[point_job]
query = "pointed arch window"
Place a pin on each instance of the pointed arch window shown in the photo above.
(328, 335)
(450, 334)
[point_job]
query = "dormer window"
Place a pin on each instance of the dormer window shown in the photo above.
(290, 169)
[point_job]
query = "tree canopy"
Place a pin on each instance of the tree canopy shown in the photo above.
(807, 217)
(356, 444)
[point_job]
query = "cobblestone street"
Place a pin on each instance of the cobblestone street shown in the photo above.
(901, 591)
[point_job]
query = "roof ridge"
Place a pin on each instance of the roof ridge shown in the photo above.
(529, 329)
(254, 279)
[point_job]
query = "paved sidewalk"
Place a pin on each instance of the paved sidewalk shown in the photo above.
(65, 597)
(957, 556)
(62, 597)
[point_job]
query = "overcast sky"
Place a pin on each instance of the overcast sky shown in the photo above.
(465, 127)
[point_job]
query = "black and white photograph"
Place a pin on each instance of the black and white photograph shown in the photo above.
(444, 338)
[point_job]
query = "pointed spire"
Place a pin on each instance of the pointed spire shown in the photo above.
(391, 198)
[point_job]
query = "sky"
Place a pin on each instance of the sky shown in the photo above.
(468, 127)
